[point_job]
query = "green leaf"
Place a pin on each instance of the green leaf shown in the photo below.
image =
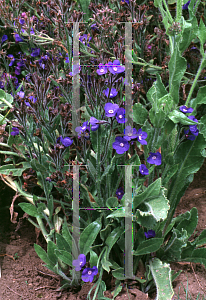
(89, 235)
(61, 242)
(42, 254)
(67, 235)
(92, 169)
(112, 202)
(65, 256)
(152, 191)
(11, 170)
(140, 113)
(149, 246)
(93, 259)
(198, 256)
(37, 166)
(112, 238)
(201, 97)
(161, 273)
(29, 208)
(189, 224)
(177, 68)
(51, 247)
(179, 117)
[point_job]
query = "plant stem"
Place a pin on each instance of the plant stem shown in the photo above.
(202, 65)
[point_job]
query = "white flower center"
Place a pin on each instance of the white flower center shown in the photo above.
(130, 134)
(89, 272)
(122, 144)
(140, 138)
(119, 193)
(80, 263)
(184, 109)
(102, 70)
(111, 94)
(153, 157)
(111, 111)
(115, 68)
(120, 116)
(83, 127)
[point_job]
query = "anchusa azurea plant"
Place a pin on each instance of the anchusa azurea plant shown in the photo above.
(104, 176)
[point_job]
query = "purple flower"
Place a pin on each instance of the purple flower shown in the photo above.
(193, 128)
(185, 109)
(143, 170)
(142, 136)
(17, 38)
(116, 68)
(32, 98)
(154, 158)
(80, 262)
(20, 94)
(21, 21)
(185, 6)
(32, 31)
(83, 38)
(128, 133)
(89, 273)
(67, 59)
(35, 52)
(12, 61)
(102, 69)
(66, 141)
(94, 126)
(4, 38)
(120, 115)
(83, 128)
(94, 27)
(121, 145)
(189, 137)
(127, 1)
(119, 193)
(150, 233)
(15, 131)
(113, 92)
(110, 109)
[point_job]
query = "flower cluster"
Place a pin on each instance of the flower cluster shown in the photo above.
(88, 273)
(192, 128)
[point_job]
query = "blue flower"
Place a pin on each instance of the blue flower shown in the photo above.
(83, 128)
(66, 141)
(193, 128)
(113, 92)
(21, 21)
(116, 68)
(127, 1)
(32, 98)
(143, 170)
(94, 123)
(35, 52)
(189, 137)
(89, 273)
(121, 145)
(67, 59)
(185, 109)
(4, 38)
(128, 133)
(83, 38)
(20, 94)
(80, 262)
(102, 69)
(18, 38)
(15, 131)
(142, 136)
(185, 6)
(120, 115)
(12, 60)
(110, 109)
(150, 233)
(155, 158)
(119, 193)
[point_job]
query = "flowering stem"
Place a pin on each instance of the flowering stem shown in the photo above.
(202, 65)
(98, 164)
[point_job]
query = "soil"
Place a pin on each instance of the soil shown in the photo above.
(23, 276)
